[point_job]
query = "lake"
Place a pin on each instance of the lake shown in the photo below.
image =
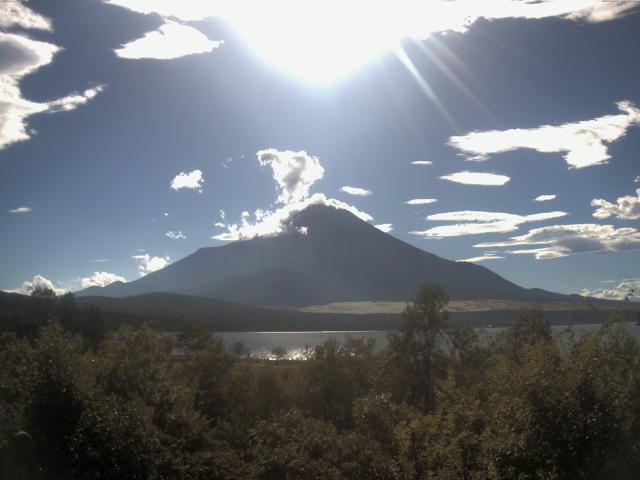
(260, 344)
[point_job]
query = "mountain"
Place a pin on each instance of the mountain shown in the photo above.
(339, 258)
(171, 310)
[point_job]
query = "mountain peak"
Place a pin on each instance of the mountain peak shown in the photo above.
(330, 255)
(320, 217)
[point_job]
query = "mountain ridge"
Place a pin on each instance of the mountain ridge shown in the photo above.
(338, 258)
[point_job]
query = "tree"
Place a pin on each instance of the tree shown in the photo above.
(279, 353)
(43, 292)
(415, 349)
(335, 376)
(529, 328)
(239, 350)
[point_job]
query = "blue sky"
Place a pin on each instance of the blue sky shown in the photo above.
(263, 110)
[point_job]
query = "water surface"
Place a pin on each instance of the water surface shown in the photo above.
(260, 344)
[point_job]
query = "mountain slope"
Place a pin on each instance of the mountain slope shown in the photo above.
(340, 258)
(170, 310)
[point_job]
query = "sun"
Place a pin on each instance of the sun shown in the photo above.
(320, 41)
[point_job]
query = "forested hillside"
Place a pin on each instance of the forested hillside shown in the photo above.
(437, 403)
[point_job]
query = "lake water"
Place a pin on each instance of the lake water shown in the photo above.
(260, 344)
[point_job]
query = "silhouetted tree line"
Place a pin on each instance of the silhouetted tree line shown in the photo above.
(25, 316)
(436, 403)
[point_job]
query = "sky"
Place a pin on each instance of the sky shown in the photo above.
(133, 132)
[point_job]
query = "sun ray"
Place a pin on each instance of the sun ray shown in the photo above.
(424, 85)
(438, 62)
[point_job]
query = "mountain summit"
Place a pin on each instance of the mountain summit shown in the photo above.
(327, 255)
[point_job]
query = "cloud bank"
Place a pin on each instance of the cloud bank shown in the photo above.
(561, 240)
(270, 223)
(22, 56)
(100, 279)
(619, 291)
(29, 286)
(148, 264)
(294, 174)
(171, 40)
(353, 33)
(625, 208)
(413, 19)
(584, 143)
(472, 222)
(17, 14)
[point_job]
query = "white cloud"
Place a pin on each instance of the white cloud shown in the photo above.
(294, 172)
(471, 222)
(189, 10)
(175, 235)
(191, 180)
(625, 208)
(272, 223)
(601, 11)
(74, 100)
(220, 224)
(544, 198)
(623, 289)
(482, 258)
(584, 143)
(171, 40)
(422, 162)
(637, 179)
(100, 260)
(477, 178)
(358, 192)
(227, 161)
(222, 214)
(18, 14)
(28, 287)
(562, 240)
(322, 40)
(385, 227)
(23, 56)
(543, 253)
(20, 210)
(148, 264)
(414, 19)
(421, 201)
(101, 279)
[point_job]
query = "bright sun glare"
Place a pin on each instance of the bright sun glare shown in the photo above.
(322, 42)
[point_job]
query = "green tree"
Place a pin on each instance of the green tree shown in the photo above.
(415, 351)
(530, 327)
(334, 376)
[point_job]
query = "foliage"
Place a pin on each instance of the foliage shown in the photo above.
(437, 403)
(415, 351)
